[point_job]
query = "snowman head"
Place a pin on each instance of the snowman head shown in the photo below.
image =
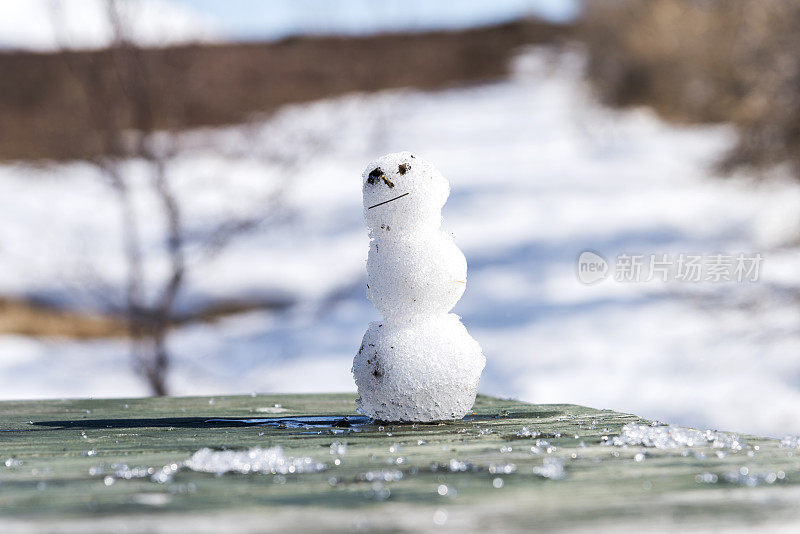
(403, 193)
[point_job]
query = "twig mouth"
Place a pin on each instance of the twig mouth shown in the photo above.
(387, 201)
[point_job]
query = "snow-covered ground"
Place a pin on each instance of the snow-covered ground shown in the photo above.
(539, 173)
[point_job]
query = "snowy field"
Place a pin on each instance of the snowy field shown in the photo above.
(539, 173)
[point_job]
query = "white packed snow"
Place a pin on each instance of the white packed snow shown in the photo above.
(423, 370)
(418, 363)
(403, 194)
(431, 283)
(540, 173)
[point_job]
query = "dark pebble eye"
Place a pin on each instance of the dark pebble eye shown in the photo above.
(374, 175)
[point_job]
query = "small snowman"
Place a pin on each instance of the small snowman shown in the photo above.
(418, 363)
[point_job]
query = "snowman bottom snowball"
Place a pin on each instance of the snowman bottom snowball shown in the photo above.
(425, 372)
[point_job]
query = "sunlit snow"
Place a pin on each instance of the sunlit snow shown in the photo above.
(539, 173)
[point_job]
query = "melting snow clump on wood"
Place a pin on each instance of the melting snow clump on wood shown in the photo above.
(673, 437)
(418, 363)
(255, 460)
(791, 442)
(552, 468)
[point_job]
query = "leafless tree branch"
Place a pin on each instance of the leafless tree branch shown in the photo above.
(122, 110)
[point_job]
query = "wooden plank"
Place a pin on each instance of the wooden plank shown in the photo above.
(62, 457)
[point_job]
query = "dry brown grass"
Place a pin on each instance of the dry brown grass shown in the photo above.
(31, 319)
(705, 61)
(43, 112)
(23, 317)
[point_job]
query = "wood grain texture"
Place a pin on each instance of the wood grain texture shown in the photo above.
(59, 454)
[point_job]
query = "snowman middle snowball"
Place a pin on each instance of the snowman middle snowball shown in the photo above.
(418, 363)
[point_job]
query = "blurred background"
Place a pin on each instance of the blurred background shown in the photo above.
(180, 194)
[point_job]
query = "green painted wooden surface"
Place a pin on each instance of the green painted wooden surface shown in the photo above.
(55, 450)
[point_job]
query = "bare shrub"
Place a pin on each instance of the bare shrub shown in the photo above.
(124, 107)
